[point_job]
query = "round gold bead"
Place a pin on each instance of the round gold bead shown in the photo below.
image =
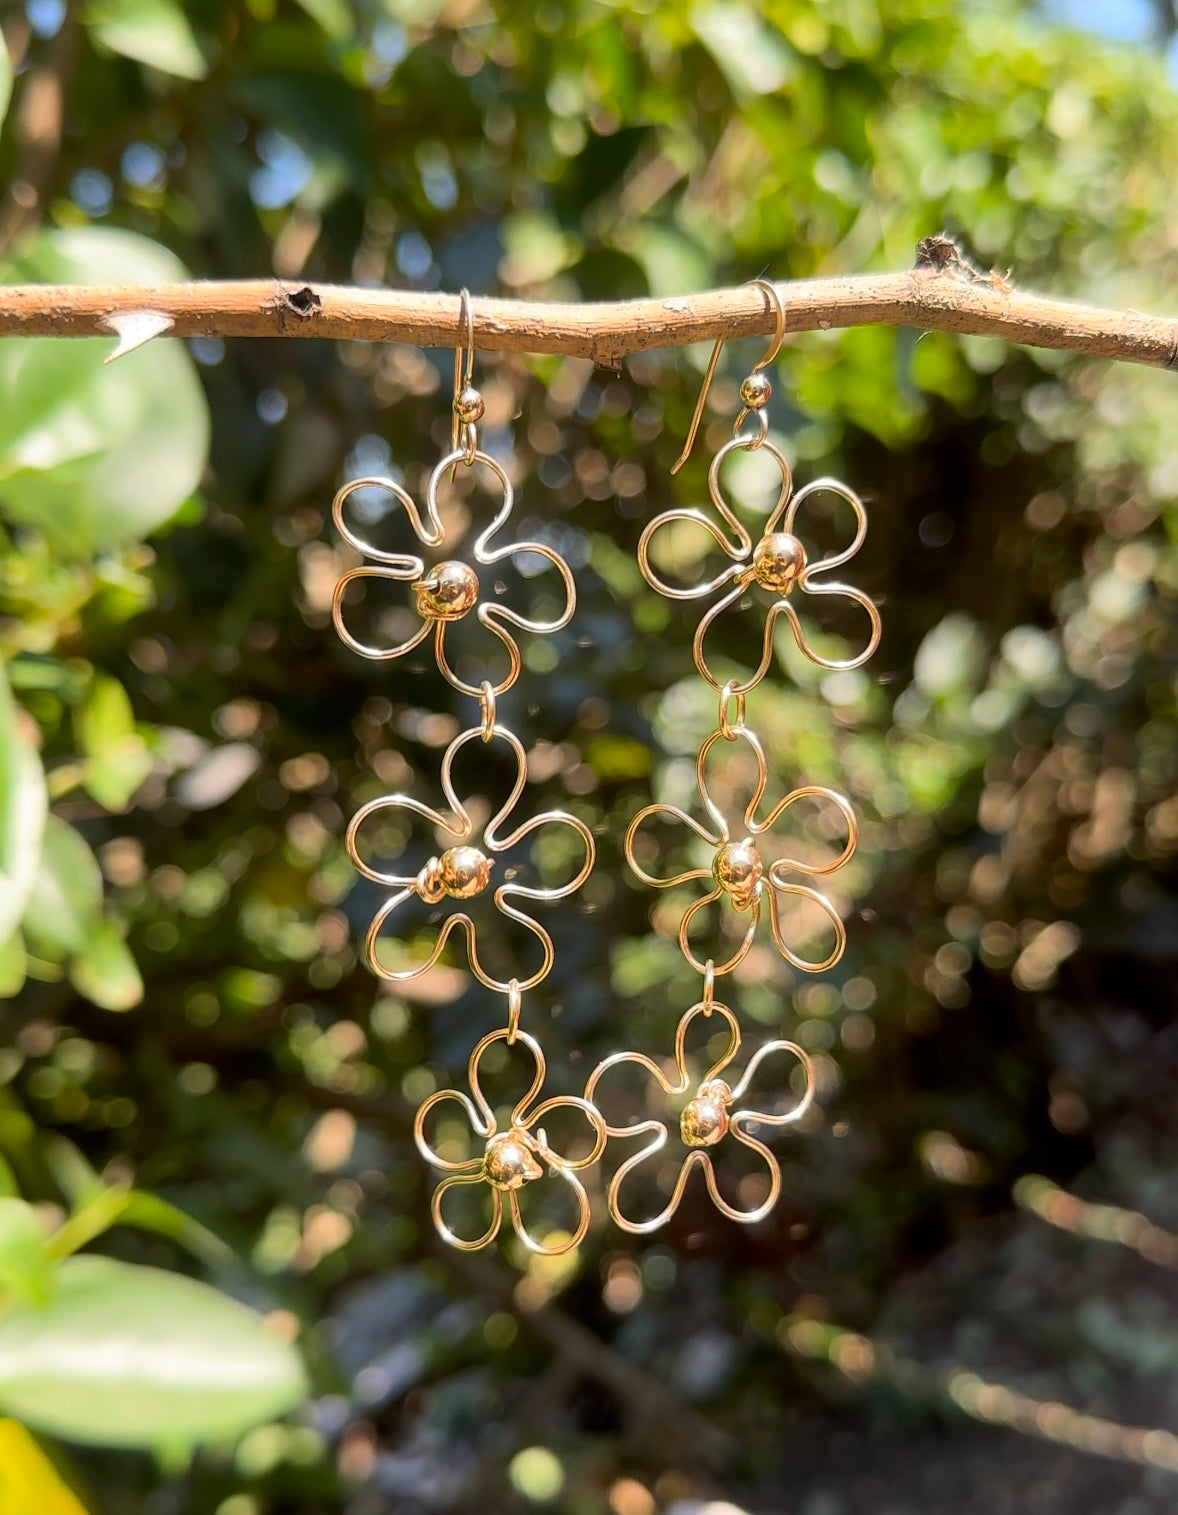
(447, 593)
(704, 1121)
(778, 560)
(756, 391)
(508, 1162)
(469, 406)
(738, 870)
(464, 872)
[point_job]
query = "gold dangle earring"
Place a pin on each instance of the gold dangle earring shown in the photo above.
(504, 1157)
(746, 872)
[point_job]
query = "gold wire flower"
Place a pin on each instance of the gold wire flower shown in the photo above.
(777, 563)
(464, 869)
(705, 1122)
(739, 874)
(450, 590)
(511, 1158)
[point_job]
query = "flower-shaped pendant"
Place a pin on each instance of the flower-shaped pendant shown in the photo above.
(463, 870)
(514, 1156)
(778, 563)
(740, 874)
(450, 590)
(706, 1122)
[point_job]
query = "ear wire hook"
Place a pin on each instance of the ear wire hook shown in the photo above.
(468, 403)
(754, 391)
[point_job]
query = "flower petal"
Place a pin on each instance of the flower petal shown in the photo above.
(514, 661)
(837, 665)
(717, 1067)
(812, 792)
(459, 1180)
(568, 1240)
(741, 951)
(566, 1102)
(613, 1194)
(517, 788)
(776, 888)
(520, 1038)
(759, 1212)
(457, 825)
(677, 815)
(369, 649)
(738, 551)
(526, 921)
(526, 623)
(799, 1108)
(709, 619)
(648, 1064)
(548, 818)
(827, 486)
(428, 532)
(482, 1125)
(370, 951)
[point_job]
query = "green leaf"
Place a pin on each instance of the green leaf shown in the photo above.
(96, 456)
(156, 32)
(25, 1261)
(23, 806)
(101, 1211)
(150, 1213)
(752, 54)
(65, 903)
(71, 1171)
(117, 757)
(105, 971)
(128, 1356)
(34, 1477)
(14, 965)
(5, 80)
(335, 17)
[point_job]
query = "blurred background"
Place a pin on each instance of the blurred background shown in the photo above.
(965, 1301)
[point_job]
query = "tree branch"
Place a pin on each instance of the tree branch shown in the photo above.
(943, 294)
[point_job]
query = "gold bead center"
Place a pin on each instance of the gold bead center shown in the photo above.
(738, 870)
(509, 1162)
(778, 560)
(704, 1121)
(464, 872)
(447, 593)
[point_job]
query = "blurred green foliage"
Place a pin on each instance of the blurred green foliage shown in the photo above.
(190, 1053)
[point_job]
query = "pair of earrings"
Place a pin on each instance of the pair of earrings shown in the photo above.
(511, 1154)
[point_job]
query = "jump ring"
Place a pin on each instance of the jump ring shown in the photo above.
(755, 440)
(513, 1009)
(709, 998)
(487, 705)
(731, 691)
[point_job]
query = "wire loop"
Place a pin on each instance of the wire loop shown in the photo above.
(732, 691)
(487, 706)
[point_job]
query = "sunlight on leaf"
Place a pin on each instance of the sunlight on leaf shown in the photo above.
(134, 1357)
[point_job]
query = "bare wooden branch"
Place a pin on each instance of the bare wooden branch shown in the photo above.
(927, 297)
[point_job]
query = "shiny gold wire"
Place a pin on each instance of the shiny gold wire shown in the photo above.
(427, 883)
(735, 1122)
(529, 1150)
